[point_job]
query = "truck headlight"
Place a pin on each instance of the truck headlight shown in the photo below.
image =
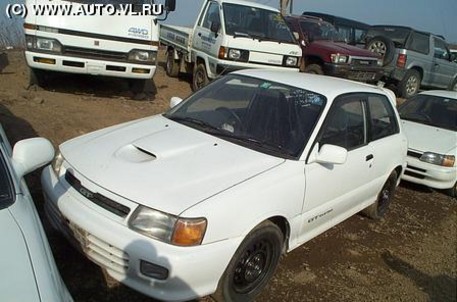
(337, 58)
(291, 61)
(234, 54)
(168, 228)
(142, 56)
(57, 163)
(43, 44)
(438, 159)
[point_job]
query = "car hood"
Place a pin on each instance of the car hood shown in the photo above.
(163, 164)
(426, 138)
(18, 281)
(346, 49)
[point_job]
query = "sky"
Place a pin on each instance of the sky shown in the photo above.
(436, 16)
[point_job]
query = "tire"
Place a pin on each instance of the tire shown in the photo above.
(38, 77)
(253, 264)
(410, 84)
(137, 86)
(172, 65)
(453, 86)
(382, 46)
(452, 191)
(314, 69)
(200, 77)
(379, 208)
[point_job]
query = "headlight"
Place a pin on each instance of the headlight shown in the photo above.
(57, 163)
(438, 159)
(337, 58)
(168, 228)
(44, 44)
(143, 56)
(234, 54)
(291, 61)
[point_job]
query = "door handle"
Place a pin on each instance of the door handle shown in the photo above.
(369, 157)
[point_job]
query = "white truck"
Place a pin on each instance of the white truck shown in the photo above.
(229, 35)
(70, 36)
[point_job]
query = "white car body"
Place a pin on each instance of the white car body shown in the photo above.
(27, 268)
(176, 169)
(428, 138)
(97, 45)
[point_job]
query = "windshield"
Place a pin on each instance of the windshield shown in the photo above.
(252, 22)
(431, 110)
(320, 31)
(262, 115)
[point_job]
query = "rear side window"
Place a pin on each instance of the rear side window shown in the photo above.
(382, 117)
(420, 42)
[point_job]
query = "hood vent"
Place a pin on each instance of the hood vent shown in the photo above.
(135, 154)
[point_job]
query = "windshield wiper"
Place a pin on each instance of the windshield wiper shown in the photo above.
(193, 121)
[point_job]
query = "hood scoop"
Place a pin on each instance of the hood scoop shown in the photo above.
(134, 154)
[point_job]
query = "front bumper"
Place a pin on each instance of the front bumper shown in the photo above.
(193, 271)
(357, 73)
(70, 64)
(430, 175)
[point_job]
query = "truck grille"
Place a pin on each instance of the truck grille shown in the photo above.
(414, 154)
(100, 200)
(97, 54)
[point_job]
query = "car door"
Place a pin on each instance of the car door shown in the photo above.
(334, 191)
(205, 40)
(443, 69)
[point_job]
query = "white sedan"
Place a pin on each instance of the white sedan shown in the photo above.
(430, 123)
(205, 198)
(27, 269)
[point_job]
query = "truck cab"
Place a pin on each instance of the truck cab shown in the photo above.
(230, 35)
(325, 51)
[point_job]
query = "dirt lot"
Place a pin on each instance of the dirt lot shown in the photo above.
(411, 255)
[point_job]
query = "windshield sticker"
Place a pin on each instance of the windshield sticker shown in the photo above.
(306, 98)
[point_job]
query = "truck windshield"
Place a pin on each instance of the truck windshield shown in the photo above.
(258, 114)
(320, 31)
(256, 23)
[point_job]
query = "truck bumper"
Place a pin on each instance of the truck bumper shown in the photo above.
(371, 74)
(89, 66)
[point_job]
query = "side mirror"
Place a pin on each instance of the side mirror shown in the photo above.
(170, 5)
(175, 101)
(30, 154)
(330, 154)
(215, 26)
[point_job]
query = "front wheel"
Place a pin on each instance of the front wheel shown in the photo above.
(200, 77)
(379, 208)
(410, 84)
(452, 191)
(314, 69)
(253, 264)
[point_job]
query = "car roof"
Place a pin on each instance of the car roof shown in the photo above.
(331, 87)
(442, 93)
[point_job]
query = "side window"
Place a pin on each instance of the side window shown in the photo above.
(441, 51)
(382, 117)
(420, 42)
(345, 33)
(212, 15)
(345, 124)
(359, 36)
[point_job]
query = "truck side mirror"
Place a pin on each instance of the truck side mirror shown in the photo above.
(215, 26)
(170, 5)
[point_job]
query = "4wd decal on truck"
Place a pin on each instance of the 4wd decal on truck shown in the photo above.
(138, 32)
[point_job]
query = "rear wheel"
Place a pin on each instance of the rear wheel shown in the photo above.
(314, 68)
(410, 84)
(172, 65)
(253, 264)
(379, 208)
(200, 77)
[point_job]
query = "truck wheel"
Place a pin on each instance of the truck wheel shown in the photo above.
(38, 77)
(382, 46)
(379, 208)
(253, 264)
(200, 77)
(172, 65)
(410, 84)
(314, 68)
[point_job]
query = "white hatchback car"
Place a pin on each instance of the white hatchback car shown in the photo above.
(430, 123)
(27, 269)
(205, 198)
